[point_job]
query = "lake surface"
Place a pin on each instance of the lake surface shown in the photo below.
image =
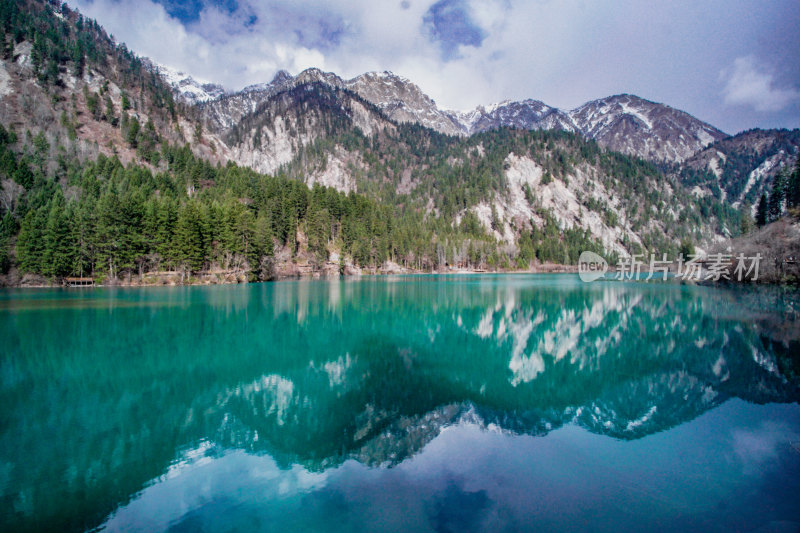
(413, 403)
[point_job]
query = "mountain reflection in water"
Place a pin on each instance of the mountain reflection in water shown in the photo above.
(255, 401)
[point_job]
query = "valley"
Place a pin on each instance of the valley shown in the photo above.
(96, 141)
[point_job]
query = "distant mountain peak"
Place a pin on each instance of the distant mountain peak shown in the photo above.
(634, 125)
(623, 122)
(188, 87)
(528, 114)
(281, 76)
(403, 101)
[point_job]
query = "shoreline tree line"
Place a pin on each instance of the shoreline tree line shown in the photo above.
(104, 219)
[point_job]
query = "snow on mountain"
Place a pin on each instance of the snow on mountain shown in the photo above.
(743, 166)
(403, 101)
(187, 87)
(624, 123)
(528, 114)
(633, 125)
(398, 98)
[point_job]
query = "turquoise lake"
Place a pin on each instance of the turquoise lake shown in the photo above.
(408, 403)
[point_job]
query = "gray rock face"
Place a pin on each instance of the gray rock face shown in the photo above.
(633, 125)
(190, 89)
(625, 123)
(402, 101)
(226, 112)
(742, 166)
(399, 98)
(528, 114)
(279, 127)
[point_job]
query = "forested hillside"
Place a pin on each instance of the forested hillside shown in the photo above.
(105, 173)
(510, 180)
(108, 220)
(741, 168)
(64, 77)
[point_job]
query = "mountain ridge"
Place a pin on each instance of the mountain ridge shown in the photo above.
(622, 122)
(740, 168)
(312, 171)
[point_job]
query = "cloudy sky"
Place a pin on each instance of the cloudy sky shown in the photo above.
(732, 63)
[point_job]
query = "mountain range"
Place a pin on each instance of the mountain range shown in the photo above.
(503, 185)
(625, 123)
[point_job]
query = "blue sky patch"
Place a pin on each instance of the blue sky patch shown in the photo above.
(188, 11)
(733, 64)
(449, 24)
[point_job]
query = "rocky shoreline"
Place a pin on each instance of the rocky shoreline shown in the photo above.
(292, 271)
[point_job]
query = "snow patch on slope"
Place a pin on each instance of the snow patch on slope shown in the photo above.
(189, 88)
(759, 174)
(638, 114)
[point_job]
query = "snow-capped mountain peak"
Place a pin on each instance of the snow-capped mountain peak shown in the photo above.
(623, 122)
(630, 124)
(281, 77)
(528, 114)
(188, 88)
(403, 101)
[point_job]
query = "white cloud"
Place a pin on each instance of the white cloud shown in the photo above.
(747, 84)
(294, 35)
(260, 38)
(755, 447)
(563, 52)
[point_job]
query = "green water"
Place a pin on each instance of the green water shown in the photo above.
(464, 403)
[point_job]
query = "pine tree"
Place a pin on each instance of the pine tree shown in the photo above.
(132, 135)
(776, 197)
(226, 217)
(262, 249)
(150, 223)
(57, 260)
(93, 105)
(262, 243)
(30, 242)
(318, 226)
(162, 240)
(761, 211)
(245, 230)
(82, 224)
(188, 239)
(745, 220)
(106, 239)
(108, 115)
(793, 188)
(8, 227)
